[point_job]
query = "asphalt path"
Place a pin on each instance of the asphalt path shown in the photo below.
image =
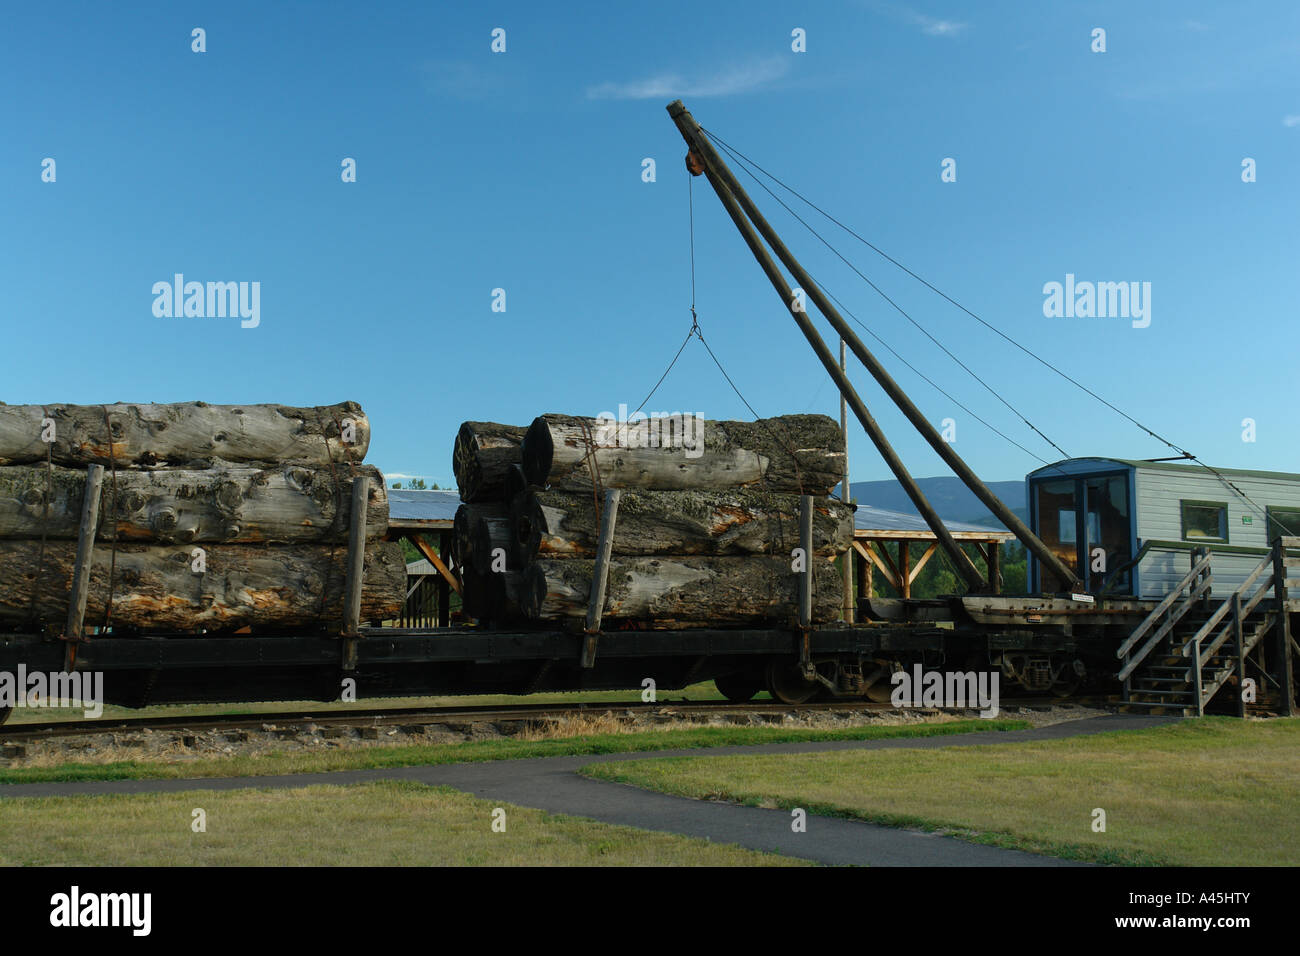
(553, 784)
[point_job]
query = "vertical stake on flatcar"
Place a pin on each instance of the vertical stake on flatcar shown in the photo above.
(846, 494)
(355, 570)
(805, 580)
(805, 545)
(600, 576)
(72, 630)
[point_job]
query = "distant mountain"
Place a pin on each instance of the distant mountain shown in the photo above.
(952, 499)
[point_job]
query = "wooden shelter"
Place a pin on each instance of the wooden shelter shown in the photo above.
(873, 528)
(413, 515)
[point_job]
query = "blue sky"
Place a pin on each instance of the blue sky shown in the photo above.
(522, 170)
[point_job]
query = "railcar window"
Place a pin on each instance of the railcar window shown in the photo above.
(1205, 521)
(1283, 522)
(1068, 532)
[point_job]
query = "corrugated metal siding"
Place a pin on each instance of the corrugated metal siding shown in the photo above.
(1159, 516)
(1160, 570)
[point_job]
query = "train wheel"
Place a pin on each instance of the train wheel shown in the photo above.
(787, 684)
(1068, 681)
(738, 687)
(1066, 686)
(880, 692)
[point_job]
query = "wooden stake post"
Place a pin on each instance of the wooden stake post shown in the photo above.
(846, 565)
(72, 630)
(806, 585)
(355, 571)
(600, 576)
(806, 576)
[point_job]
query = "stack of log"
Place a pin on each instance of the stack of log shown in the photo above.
(704, 538)
(209, 517)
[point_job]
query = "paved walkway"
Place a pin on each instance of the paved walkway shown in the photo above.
(552, 784)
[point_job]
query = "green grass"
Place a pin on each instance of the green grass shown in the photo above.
(378, 824)
(407, 756)
(39, 715)
(1216, 791)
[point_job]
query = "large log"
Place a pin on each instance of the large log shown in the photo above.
(483, 455)
(791, 454)
(515, 484)
(233, 504)
(682, 591)
(465, 532)
(183, 434)
(158, 588)
(556, 524)
(492, 538)
(517, 504)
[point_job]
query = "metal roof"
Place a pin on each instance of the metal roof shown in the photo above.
(405, 505)
(1170, 466)
(868, 518)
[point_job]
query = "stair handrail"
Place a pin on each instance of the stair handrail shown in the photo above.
(1282, 583)
(1238, 608)
(1249, 605)
(1200, 569)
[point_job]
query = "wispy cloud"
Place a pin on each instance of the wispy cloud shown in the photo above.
(930, 26)
(937, 28)
(743, 78)
(1292, 120)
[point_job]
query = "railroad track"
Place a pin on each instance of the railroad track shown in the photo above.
(390, 717)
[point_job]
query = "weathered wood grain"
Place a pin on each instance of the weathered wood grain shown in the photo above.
(794, 454)
(157, 587)
(232, 504)
(681, 591)
(182, 434)
(482, 457)
(559, 524)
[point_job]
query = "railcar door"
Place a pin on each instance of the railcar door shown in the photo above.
(1107, 531)
(1056, 523)
(1087, 523)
